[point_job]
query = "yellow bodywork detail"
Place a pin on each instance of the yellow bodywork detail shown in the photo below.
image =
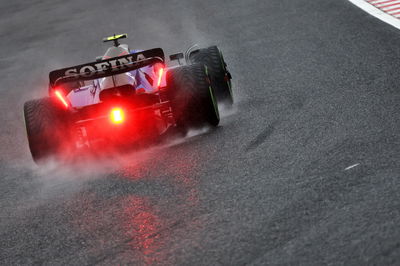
(115, 37)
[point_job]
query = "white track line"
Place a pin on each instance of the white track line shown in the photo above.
(372, 10)
(351, 166)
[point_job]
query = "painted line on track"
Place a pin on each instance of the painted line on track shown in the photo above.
(351, 166)
(386, 10)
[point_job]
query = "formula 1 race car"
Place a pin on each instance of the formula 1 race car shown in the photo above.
(126, 96)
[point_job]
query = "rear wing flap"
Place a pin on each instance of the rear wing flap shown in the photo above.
(107, 67)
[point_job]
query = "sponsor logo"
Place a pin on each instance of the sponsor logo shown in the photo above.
(105, 66)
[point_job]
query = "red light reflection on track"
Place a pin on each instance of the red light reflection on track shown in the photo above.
(128, 225)
(181, 173)
(142, 226)
(139, 227)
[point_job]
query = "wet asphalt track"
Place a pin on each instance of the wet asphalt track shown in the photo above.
(317, 91)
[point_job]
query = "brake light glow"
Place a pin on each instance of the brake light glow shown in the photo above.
(160, 73)
(117, 116)
(61, 98)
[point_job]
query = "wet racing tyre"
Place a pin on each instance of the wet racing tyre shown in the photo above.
(192, 97)
(220, 77)
(47, 127)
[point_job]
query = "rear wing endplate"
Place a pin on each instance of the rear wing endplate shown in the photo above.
(108, 67)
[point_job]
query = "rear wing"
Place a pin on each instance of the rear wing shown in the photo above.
(107, 67)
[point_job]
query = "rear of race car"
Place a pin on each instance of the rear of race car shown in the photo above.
(121, 100)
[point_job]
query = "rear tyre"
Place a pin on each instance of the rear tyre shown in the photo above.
(192, 97)
(47, 127)
(220, 77)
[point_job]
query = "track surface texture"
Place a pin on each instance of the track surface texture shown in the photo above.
(316, 84)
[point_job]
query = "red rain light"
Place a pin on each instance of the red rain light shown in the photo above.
(61, 98)
(117, 116)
